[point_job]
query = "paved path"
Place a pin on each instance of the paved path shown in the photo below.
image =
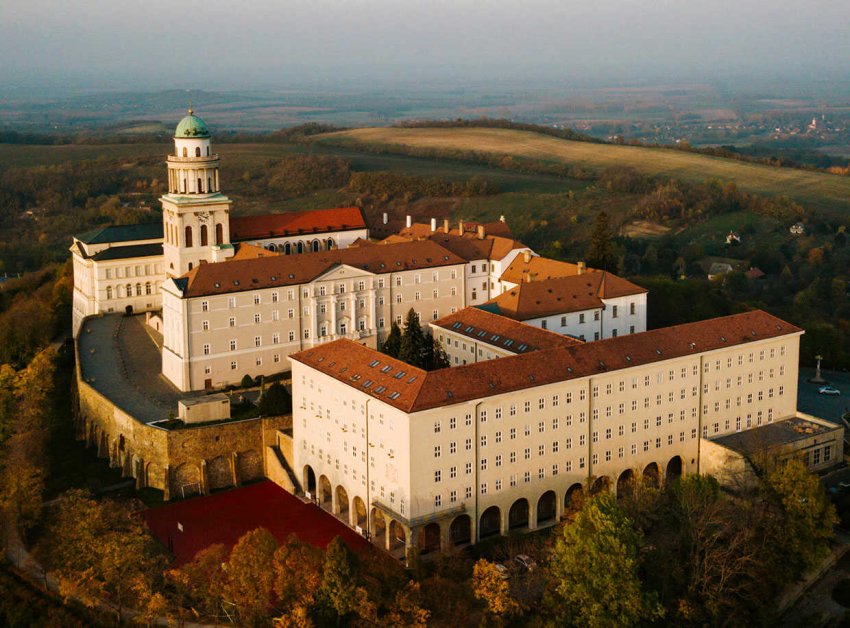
(824, 406)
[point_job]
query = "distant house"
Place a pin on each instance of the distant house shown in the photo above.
(754, 273)
(798, 228)
(733, 238)
(719, 270)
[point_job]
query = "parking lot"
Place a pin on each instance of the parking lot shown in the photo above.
(824, 406)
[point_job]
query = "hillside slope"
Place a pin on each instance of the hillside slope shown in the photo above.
(826, 192)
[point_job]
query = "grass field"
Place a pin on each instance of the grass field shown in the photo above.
(825, 192)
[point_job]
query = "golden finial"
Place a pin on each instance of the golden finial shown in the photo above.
(191, 111)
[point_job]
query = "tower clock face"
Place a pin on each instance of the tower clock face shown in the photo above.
(204, 218)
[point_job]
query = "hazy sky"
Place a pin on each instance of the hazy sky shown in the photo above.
(262, 43)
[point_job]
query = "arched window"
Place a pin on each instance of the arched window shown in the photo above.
(209, 184)
(185, 152)
(200, 185)
(315, 246)
(138, 289)
(219, 233)
(208, 151)
(204, 240)
(108, 292)
(300, 247)
(197, 151)
(148, 288)
(190, 266)
(188, 242)
(272, 247)
(129, 290)
(330, 243)
(287, 248)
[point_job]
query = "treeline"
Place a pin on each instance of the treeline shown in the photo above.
(502, 123)
(386, 185)
(414, 346)
(296, 175)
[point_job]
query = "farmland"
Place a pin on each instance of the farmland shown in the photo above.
(816, 190)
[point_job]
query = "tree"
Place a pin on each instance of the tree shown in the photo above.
(392, 344)
(489, 586)
(249, 581)
(593, 571)
(407, 609)
(200, 582)
(808, 517)
(435, 356)
(101, 551)
(601, 252)
(412, 347)
(298, 576)
(275, 401)
(339, 581)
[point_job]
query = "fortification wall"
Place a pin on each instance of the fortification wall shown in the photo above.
(180, 462)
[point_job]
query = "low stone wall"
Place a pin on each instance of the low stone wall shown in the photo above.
(180, 462)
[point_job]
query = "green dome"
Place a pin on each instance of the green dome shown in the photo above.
(191, 126)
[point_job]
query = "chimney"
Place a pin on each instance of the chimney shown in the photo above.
(526, 256)
(386, 218)
(446, 225)
(408, 221)
(460, 227)
(433, 225)
(502, 218)
(480, 232)
(581, 268)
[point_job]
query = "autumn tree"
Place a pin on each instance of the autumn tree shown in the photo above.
(593, 570)
(101, 552)
(249, 580)
(298, 571)
(489, 585)
(200, 582)
(339, 579)
(407, 609)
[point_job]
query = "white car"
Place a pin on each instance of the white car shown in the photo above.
(525, 562)
(829, 390)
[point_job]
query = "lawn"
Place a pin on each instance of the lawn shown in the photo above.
(826, 192)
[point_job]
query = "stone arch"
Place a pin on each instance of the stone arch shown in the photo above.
(675, 468)
(398, 536)
(324, 492)
(154, 476)
(219, 473)
(187, 480)
(429, 538)
(378, 527)
(574, 497)
(329, 244)
(518, 515)
(197, 151)
(187, 241)
(547, 507)
(359, 507)
(300, 247)
(315, 246)
(460, 530)
(249, 466)
(309, 480)
(287, 249)
(204, 235)
(272, 247)
(652, 475)
(626, 483)
(600, 485)
(342, 506)
(219, 233)
(185, 152)
(490, 523)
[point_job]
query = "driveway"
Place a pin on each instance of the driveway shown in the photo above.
(823, 406)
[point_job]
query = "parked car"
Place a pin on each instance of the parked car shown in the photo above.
(504, 572)
(828, 390)
(525, 562)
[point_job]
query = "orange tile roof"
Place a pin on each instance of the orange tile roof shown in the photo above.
(534, 299)
(538, 268)
(251, 251)
(491, 247)
(504, 333)
(287, 270)
(417, 390)
(295, 223)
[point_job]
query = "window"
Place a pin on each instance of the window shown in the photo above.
(437, 451)
(437, 476)
(257, 341)
(233, 345)
(256, 318)
(205, 306)
(206, 349)
(438, 501)
(231, 322)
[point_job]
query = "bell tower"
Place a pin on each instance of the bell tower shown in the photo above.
(194, 212)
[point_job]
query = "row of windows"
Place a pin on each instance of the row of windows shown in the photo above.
(133, 271)
(234, 364)
(188, 240)
(121, 291)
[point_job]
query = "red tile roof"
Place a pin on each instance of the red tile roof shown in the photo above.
(416, 390)
(286, 270)
(504, 333)
(495, 245)
(576, 293)
(538, 268)
(295, 223)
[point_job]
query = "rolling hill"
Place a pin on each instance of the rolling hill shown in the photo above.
(816, 190)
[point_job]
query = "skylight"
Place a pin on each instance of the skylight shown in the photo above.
(386, 369)
(374, 363)
(395, 395)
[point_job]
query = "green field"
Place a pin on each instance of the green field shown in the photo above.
(817, 190)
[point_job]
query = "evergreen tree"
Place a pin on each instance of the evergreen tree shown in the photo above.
(412, 348)
(392, 344)
(275, 401)
(339, 578)
(601, 252)
(437, 357)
